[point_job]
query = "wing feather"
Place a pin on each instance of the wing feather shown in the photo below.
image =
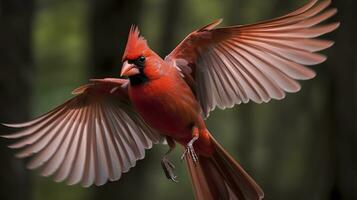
(92, 138)
(56, 160)
(111, 153)
(257, 62)
(45, 153)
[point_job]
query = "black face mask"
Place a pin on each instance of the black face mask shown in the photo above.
(140, 78)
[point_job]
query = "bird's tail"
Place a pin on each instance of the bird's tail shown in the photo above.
(220, 177)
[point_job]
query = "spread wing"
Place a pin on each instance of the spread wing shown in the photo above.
(93, 137)
(258, 62)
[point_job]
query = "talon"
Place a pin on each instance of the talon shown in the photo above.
(168, 168)
(190, 150)
(166, 164)
(184, 154)
(193, 154)
(174, 179)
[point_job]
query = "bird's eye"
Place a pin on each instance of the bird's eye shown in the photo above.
(141, 60)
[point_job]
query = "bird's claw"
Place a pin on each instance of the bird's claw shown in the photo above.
(191, 151)
(168, 168)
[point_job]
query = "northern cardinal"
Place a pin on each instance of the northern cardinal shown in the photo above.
(105, 128)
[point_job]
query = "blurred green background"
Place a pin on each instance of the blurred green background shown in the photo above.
(303, 147)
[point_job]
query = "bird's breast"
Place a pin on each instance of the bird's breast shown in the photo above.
(167, 105)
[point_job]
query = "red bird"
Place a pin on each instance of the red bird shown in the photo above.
(102, 131)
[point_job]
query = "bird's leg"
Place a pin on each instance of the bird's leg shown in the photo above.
(166, 164)
(189, 147)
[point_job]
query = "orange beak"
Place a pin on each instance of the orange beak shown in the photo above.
(128, 69)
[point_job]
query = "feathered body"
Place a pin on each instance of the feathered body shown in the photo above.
(166, 102)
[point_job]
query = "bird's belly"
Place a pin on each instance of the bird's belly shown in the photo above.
(168, 111)
(161, 118)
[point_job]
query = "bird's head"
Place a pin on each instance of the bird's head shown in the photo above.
(140, 63)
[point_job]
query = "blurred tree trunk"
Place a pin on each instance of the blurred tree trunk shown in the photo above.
(109, 23)
(344, 103)
(172, 13)
(15, 89)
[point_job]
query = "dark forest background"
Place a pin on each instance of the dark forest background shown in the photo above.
(301, 148)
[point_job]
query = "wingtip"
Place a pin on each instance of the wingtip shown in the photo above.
(312, 75)
(323, 58)
(9, 125)
(7, 137)
(337, 25)
(211, 25)
(333, 11)
(218, 21)
(330, 43)
(333, 26)
(10, 136)
(22, 155)
(81, 89)
(86, 185)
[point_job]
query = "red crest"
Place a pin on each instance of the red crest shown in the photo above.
(136, 44)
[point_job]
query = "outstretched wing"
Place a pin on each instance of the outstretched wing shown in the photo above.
(258, 62)
(91, 138)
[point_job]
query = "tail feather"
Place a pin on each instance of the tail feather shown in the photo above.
(220, 177)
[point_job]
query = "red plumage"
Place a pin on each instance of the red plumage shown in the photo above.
(135, 44)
